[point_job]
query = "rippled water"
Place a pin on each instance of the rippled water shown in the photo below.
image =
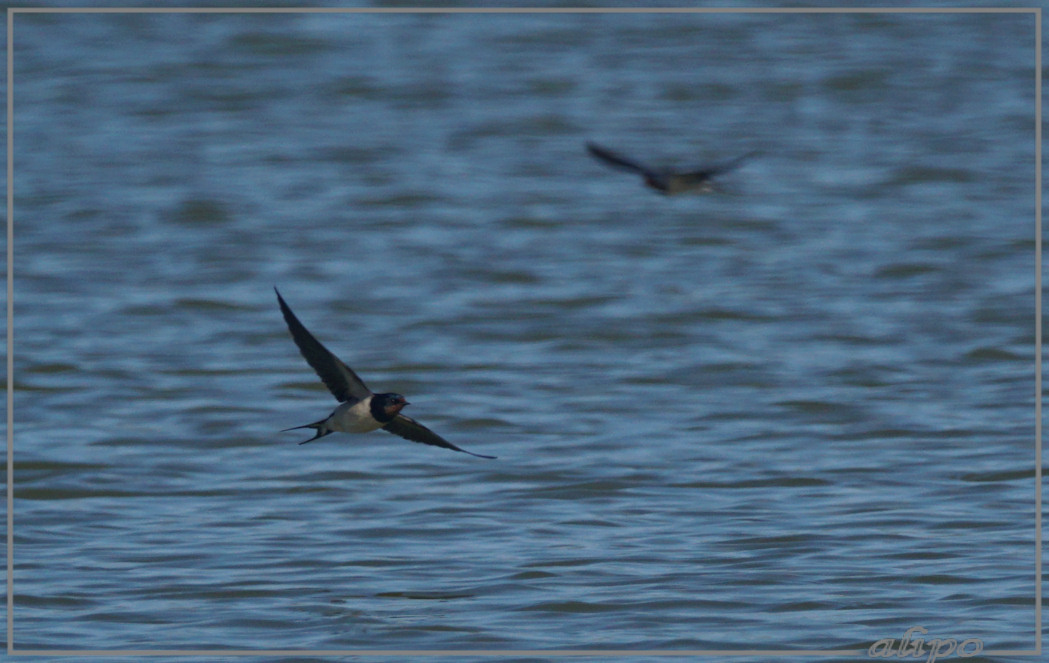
(795, 414)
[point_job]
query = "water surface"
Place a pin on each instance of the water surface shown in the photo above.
(797, 414)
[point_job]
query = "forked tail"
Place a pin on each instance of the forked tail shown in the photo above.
(317, 425)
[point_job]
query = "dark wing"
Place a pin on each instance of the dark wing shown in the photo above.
(702, 174)
(616, 161)
(410, 429)
(339, 378)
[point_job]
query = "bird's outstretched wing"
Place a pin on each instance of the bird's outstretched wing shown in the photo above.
(339, 378)
(410, 429)
(617, 161)
(707, 172)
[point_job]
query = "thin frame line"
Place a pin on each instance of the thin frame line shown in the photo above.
(522, 10)
(566, 653)
(10, 332)
(479, 652)
(1038, 329)
(449, 652)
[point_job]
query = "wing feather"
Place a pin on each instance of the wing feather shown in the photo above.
(412, 430)
(617, 161)
(339, 378)
(714, 170)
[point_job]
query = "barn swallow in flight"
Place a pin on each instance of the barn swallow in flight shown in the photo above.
(359, 410)
(668, 182)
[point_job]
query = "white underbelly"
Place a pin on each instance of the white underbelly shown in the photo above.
(355, 418)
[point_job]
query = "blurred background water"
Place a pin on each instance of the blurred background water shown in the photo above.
(795, 414)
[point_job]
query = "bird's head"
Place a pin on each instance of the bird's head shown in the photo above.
(391, 404)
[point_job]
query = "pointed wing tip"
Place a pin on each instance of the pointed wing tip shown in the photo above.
(738, 161)
(411, 430)
(284, 308)
(470, 453)
(596, 150)
(455, 448)
(617, 160)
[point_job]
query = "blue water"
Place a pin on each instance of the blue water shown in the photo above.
(795, 414)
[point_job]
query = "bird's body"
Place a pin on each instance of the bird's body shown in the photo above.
(349, 417)
(355, 417)
(665, 181)
(359, 410)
